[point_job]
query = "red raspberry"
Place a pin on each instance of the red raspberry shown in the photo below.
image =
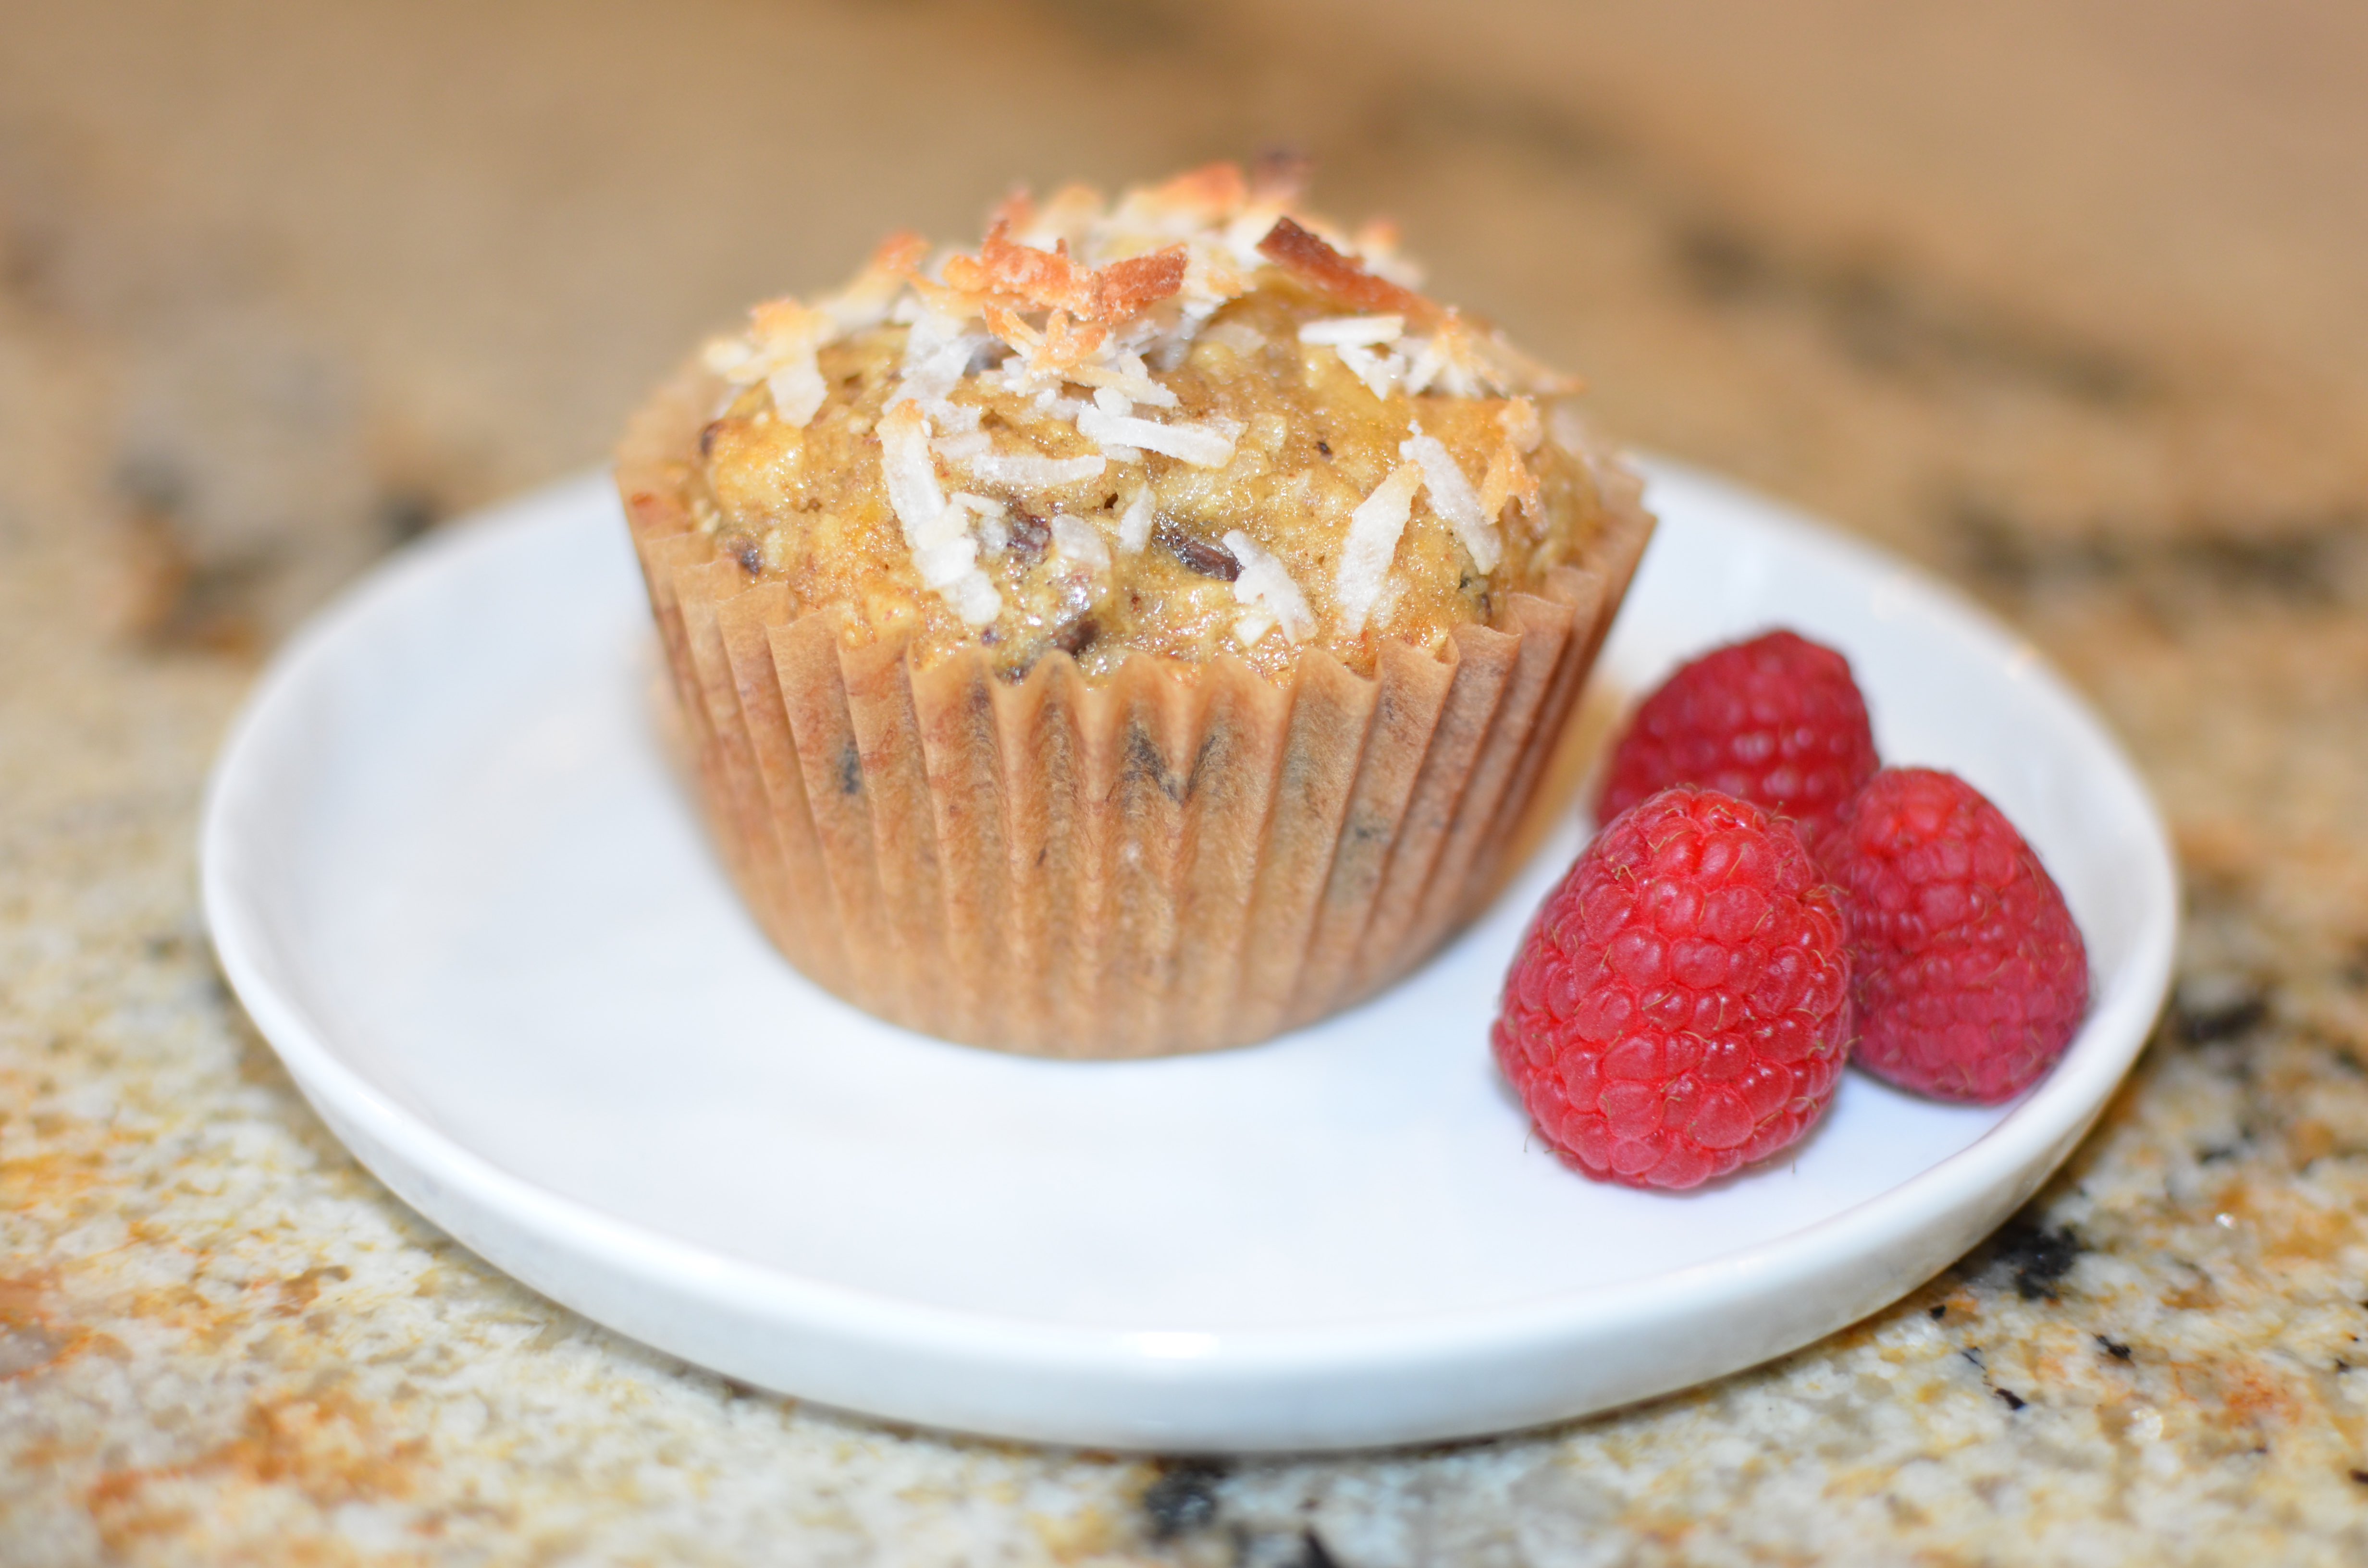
(1970, 976)
(1680, 1005)
(1777, 720)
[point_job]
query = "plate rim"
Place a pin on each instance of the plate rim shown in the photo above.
(2013, 1157)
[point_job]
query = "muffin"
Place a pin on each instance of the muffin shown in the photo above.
(1142, 634)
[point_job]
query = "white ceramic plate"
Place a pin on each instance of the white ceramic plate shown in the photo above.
(451, 877)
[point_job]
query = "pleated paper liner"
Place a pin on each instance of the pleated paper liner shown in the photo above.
(1172, 858)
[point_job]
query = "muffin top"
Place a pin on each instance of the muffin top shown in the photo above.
(1190, 423)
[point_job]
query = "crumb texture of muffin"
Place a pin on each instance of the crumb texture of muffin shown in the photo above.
(1141, 633)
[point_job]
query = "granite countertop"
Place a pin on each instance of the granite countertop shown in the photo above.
(2061, 301)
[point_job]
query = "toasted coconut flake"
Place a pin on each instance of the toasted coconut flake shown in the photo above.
(1448, 361)
(1125, 289)
(784, 326)
(1464, 361)
(1028, 472)
(1305, 255)
(929, 296)
(1424, 361)
(953, 522)
(779, 349)
(1042, 360)
(1372, 543)
(1382, 373)
(1217, 271)
(1519, 419)
(798, 390)
(733, 360)
(939, 352)
(1508, 478)
(1080, 541)
(1204, 446)
(909, 473)
(1011, 273)
(1362, 331)
(1451, 498)
(1070, 215)
(1039, 280)
(948, 561)
(975, 599)
(944, 553)
(1238, 241)
(962, 448)
(1265, 583)
(1134, 523)
(867, 301)
(1131, 379)
(951, 419)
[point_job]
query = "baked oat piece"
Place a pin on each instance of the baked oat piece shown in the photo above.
(1138, 634)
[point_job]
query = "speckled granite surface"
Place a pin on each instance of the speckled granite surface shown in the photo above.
(2061, 301)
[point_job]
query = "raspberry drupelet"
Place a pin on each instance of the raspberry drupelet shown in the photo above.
(1680, 1005)
(1777, 720)
(1970, 976)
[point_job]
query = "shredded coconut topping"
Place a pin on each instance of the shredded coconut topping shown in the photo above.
(1265, 586)
(1508, 478)
(1134, 523)
(1076, 291)
(1079, 307)
(1363, 330)
(1131, 379)
(1372, 541)
(961, 449)
(1519, 420)
(1451, 498)
(1024, 472)
(1382, 373)
(1208, 445)
(783, 340)
(905, 469)
(1080, 542)
(939, 534)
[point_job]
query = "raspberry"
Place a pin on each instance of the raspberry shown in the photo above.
(1680, 1005)
(1777, 720)
(1969, 975)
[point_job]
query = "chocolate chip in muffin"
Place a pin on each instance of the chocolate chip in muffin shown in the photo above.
(1030, 534)
(1205, 556)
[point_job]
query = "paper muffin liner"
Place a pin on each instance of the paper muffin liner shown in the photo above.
(1171, 858)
